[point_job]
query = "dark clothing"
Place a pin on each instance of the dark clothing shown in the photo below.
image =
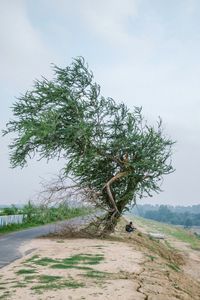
(129, 228)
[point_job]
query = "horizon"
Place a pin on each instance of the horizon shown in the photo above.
(161, 204)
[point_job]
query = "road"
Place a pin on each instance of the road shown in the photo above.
(10, 243)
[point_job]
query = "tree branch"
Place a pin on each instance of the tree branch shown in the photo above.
(107, 186)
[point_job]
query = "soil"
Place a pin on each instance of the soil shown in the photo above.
(132, 267)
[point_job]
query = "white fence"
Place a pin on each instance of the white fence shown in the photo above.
(12, 219)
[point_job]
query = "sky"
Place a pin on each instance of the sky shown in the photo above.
(144, 53)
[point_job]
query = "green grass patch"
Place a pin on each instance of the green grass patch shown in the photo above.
(64, 266)
(78, 261)
(57, 286)
(174, 267)
(26, 271)
(42, 278)
(16, 227)
(45, 261)
(30, 278)
(170, 230)
(84, 259)
(75, 261)
(19, 285)
(48, 278)
(5, 295)
(96, 274)
(32, 258)
(151, 257)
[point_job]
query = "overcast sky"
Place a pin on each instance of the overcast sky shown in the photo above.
(145, 53)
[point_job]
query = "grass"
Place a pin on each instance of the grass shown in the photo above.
(63, 266)
(16, 227)
(96, 274)
(46, 282)
(39, 221)
(88, 259)
(151, 257)
(29, 278)
(32, 258)
(42, 278)
(73, 262)
(5, 295)
(48, 278)
(170, 230)
(45, 261)
(52, 282)
(168, 245)
(19, 285)
(174, 267)
(26, 271)
(56, 286)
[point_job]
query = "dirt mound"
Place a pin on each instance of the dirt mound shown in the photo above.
(122, 266)
(163, 276)
(147, 244)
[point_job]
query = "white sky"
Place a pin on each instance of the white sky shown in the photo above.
(145, 53)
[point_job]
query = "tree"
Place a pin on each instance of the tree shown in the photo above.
(111, 153)
(11, 210)
(188, 223)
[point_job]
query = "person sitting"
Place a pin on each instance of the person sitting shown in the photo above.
(130, 228)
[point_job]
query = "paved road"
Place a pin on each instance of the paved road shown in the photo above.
(10, 243)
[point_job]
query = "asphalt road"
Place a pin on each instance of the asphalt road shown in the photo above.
(10, 243)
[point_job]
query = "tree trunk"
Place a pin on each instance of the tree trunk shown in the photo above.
(109, 223)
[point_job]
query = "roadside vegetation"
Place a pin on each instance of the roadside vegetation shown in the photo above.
(171, 231)
(35, 215)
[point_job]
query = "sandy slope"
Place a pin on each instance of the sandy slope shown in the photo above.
(120, 260)
(132, 267)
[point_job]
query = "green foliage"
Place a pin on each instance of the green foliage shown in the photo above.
(11, 210)
(100, 139)
(35, 215)
(178, 233)
(42, 214)
(188, 223)
(25, 271)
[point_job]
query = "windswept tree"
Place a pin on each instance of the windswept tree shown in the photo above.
(111, 152)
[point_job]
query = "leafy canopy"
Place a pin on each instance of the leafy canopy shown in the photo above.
(104, 143)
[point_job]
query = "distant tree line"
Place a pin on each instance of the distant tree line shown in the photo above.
(178, 215)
